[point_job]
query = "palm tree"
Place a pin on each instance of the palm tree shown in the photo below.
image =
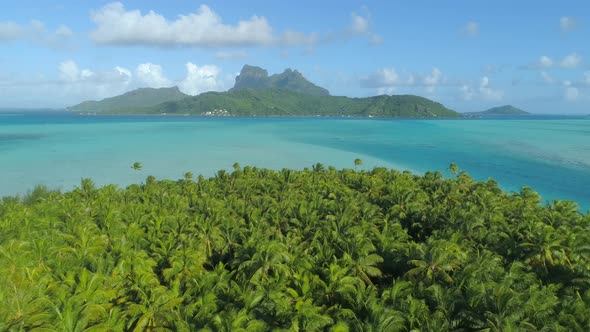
(440, 259)
(357, 162)
(136, 166)
(453, 168)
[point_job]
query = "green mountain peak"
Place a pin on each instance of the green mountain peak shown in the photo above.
(253, 77)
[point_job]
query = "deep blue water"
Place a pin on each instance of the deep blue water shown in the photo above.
(551, 154)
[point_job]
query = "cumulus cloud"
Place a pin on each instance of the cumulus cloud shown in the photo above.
(152, 76)
(74, 83)
(571, 93)
(359, 24)
(471, 29)
(389, 77)
(484, 91)
(587, 77)
(117, 26)
(375, 40)
(545, 62)
(200, 79)
(69, 71)
(433, 79)
(385, 77)
(571, 61)
(546, 77)
(487, 92)
(231, 55)
(567, 23)
(10, 31)
(35, 32)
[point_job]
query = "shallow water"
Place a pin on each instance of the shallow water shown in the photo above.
(549, 154)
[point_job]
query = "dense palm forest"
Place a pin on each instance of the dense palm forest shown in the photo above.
(313, 250)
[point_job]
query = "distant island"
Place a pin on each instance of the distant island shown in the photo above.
(139, 98)
(255, 93)
(501, 110)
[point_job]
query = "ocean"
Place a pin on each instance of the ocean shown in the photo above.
(550, 154)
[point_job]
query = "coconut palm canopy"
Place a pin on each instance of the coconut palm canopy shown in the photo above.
(312, 250)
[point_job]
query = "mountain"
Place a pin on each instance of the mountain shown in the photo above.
(139, 98)
(255, 93)
(281, 102)
(501, 110)
(252, 77)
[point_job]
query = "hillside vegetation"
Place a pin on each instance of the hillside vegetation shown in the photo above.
(143, 97)
(313, 250)
(255, 93)
(278, 102)
(502, 110)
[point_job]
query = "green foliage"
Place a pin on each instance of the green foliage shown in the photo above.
(502, 110)
(257, 94)
(314, 250)
(139, 98)
(136, 166)
(280, 102)
(252, 77)
(357, 162)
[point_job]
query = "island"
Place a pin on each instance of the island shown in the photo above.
(255, 93)
(143, 97)
(500, 110)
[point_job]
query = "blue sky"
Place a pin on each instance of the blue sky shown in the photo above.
(469, 55)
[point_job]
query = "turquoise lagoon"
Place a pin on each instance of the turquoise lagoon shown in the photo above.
(57, 149)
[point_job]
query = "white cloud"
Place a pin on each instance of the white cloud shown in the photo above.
(388, 90)
(385, 77)
(567, 23)
(200, 79)
(117, 26)
(123, 72)
(471, 29)
(231, 55)
(10, 31)
(483, 91)
(571, 93)
(434, 78)
(75, 83)
(571, 61)
(389, 78)
(587, 77)
(545, 62)
(546, 77)
(468, 92)
(35, 32)
(69, 71)
(152, 76)
(359, 24)
(488, 93)
(375, 40)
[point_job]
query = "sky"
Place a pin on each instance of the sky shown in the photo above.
(469, 55)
